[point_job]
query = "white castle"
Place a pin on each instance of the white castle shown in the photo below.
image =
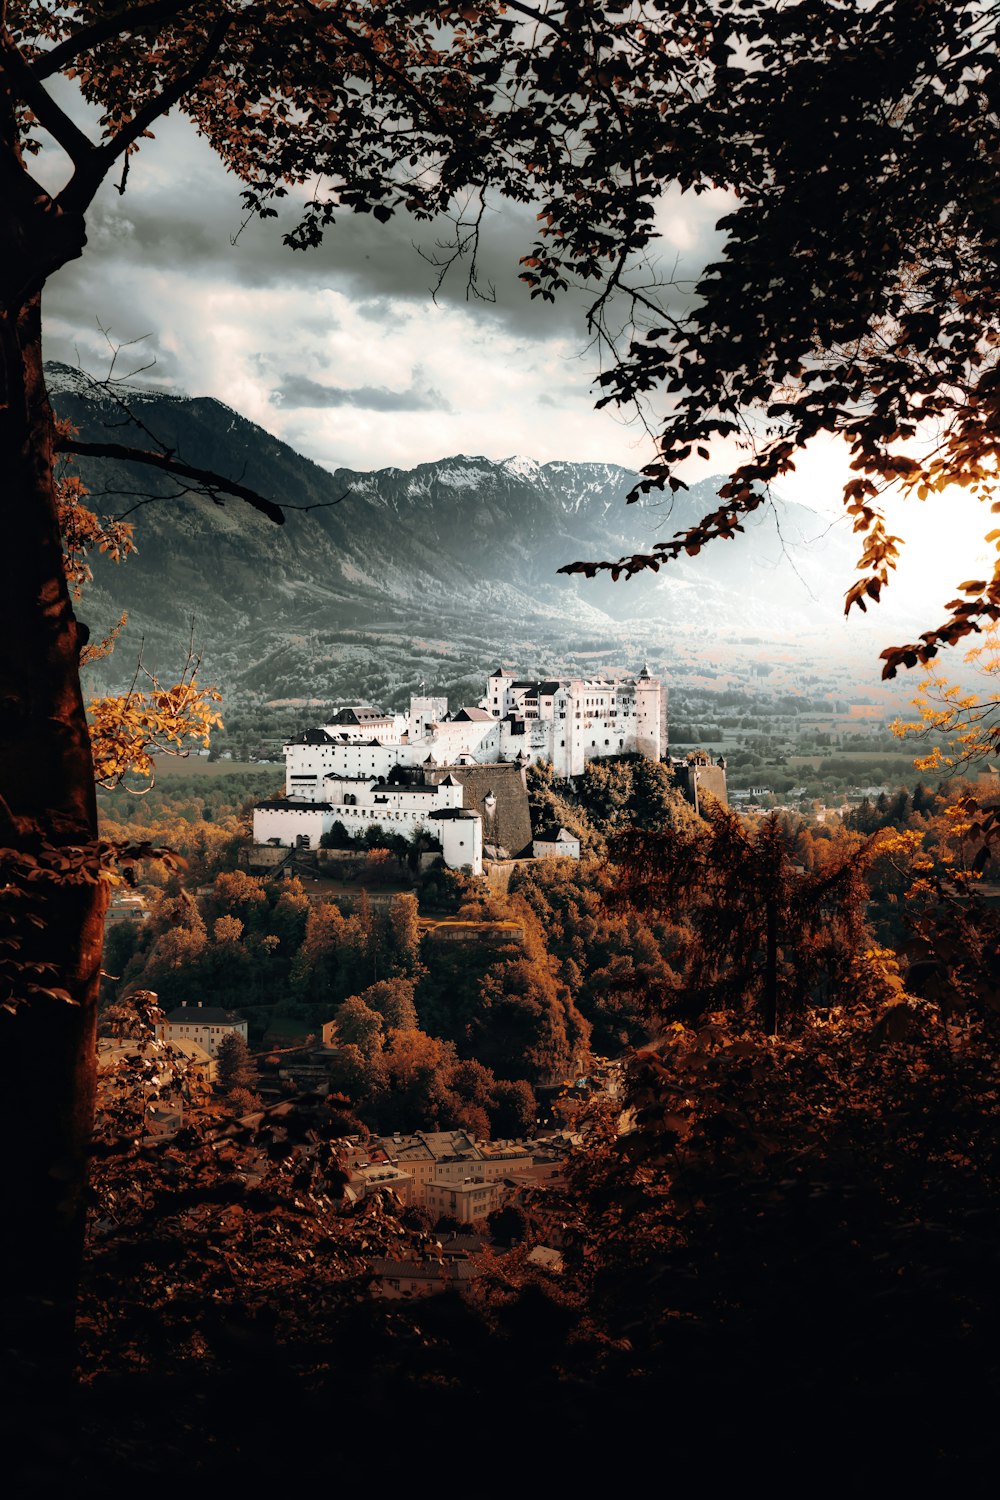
(366, 766)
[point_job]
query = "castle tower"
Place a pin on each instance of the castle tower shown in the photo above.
(497, 684)
(648, 717)
(567, 759)
(460, 833)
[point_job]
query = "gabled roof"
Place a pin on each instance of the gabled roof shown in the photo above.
(472, 715)
(556, 836)
(312, 737)
(359, 713)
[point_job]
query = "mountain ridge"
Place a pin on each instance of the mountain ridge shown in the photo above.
(463, 548)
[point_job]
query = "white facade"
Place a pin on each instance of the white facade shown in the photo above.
(567, 721)
(366, 767)
(558, 845)
(425, 711)
(208, 1025)
(460, 831)
(360, 803)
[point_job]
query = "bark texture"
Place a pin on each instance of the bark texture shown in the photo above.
(47, 811)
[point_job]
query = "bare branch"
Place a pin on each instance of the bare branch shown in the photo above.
(212, 482)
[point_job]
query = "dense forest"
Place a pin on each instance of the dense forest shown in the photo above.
(779, 993)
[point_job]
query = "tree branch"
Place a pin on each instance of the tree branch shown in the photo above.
(46, 111)
(171, 465)
(374, 58)
(90, 36)
(85, 182)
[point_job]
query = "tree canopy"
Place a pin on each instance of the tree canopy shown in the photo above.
(856, 293)
(855, 297)
(377, 108)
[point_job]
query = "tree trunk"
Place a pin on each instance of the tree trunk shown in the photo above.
(47, 807)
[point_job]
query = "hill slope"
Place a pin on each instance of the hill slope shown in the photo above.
(458, 556)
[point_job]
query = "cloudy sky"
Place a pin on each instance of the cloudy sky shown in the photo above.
(344, 353)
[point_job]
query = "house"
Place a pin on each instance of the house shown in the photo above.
(466, 1200)
(451, 1156)
(125, 906)
(396, 1279)
(558, 843)
(208, 1025)
(380, 1176)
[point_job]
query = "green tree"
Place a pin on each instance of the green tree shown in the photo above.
(358, 1026)
(392, 999)
(512, 1109)
(765, 936)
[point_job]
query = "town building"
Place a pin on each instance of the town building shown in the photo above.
(468, 1200)
(451, 1157)
(557, 843)
(397, 1279)
(125, 906)
(208, 1025)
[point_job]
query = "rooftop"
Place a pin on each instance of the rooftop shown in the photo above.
(204, 1015)
(359, 713)
(471, 715)
(292, 804)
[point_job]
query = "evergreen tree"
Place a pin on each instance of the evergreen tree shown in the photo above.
(235, 1067)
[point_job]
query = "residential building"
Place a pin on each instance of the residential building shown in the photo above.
(208, 1025)
(466, 1200)
(557, 843)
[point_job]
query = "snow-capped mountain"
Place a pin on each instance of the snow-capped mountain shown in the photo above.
(463, 548)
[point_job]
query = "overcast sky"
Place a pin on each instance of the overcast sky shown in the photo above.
(342, 352)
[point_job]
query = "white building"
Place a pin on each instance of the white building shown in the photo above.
(559, 844)
(402, 802)
(208, 1025)
(572, 720)
(567, 721)
(459, 831)
(366, 767)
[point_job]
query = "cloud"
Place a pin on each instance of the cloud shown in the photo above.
(299, 391)
(343, 352)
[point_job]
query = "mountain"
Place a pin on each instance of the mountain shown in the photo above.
(456, 559)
